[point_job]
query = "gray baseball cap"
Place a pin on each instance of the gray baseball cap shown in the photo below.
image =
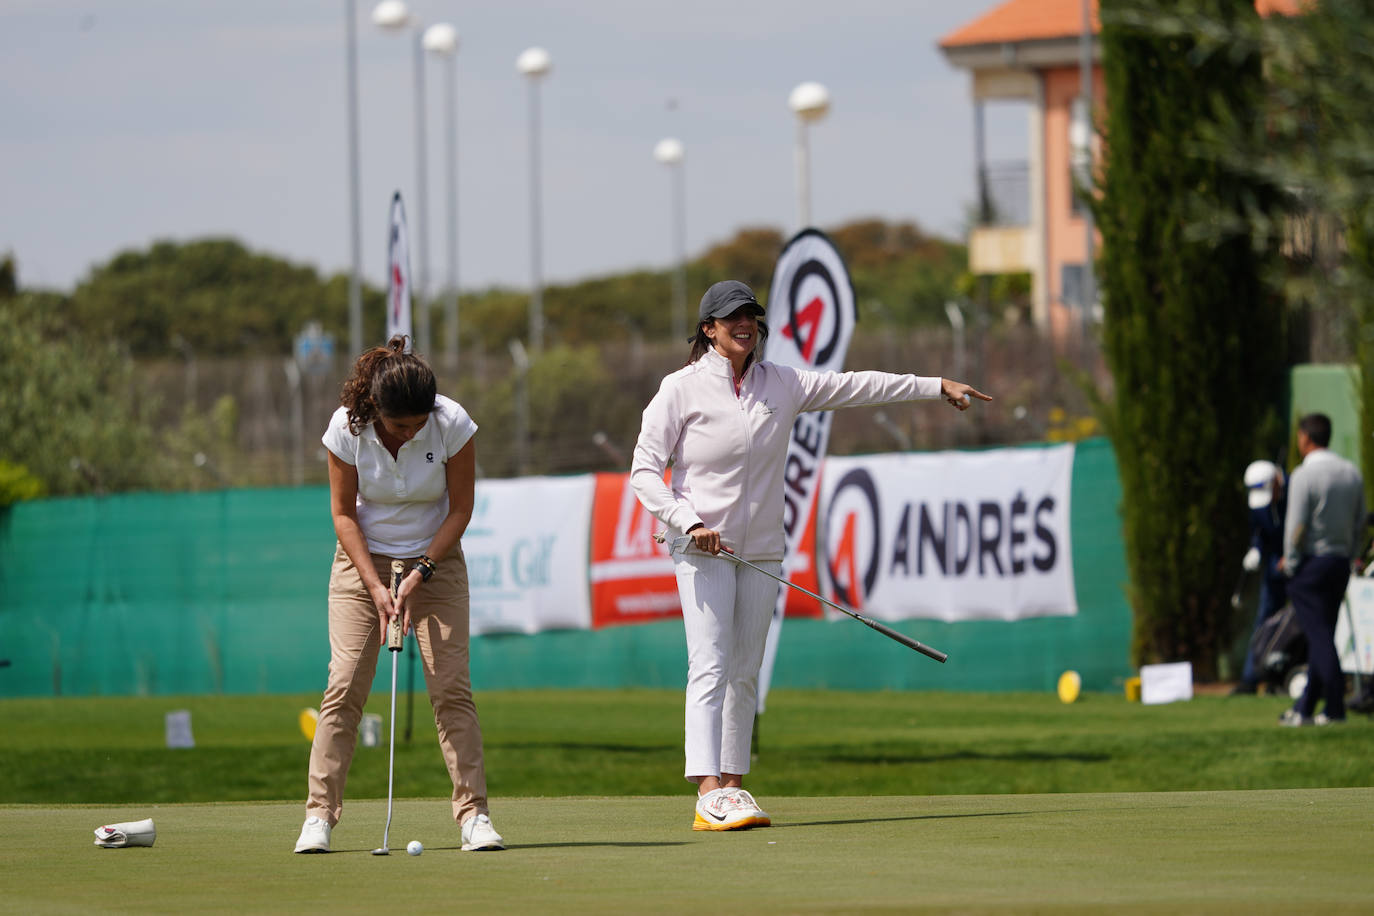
(724, 298)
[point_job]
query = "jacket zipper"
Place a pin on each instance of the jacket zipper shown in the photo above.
(748, 456)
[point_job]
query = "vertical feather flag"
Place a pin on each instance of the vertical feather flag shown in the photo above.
(811, 316)
(398, 273)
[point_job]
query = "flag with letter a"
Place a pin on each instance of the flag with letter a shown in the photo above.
(811, 316)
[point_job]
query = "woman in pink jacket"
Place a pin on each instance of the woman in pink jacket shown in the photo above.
(722, 422)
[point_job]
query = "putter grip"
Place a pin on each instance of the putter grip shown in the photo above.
(906, 640)
(395, 636)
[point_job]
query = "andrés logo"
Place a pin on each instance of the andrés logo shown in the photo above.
(852, 537)
(813, 313)
(989, 539)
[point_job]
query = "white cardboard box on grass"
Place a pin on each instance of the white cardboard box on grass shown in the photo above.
(178, 723)
(1166, 683)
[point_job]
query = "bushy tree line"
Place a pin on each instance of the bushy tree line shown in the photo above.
(211, 295)
(83, 417)
(78, 417)
(216, 297)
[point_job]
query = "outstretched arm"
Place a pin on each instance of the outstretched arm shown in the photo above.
(833, 390)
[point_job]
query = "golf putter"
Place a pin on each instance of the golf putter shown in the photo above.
(680, 544)
(395, 637)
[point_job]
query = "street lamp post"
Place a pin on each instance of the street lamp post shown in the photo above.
(535, 63)
(520, 360)
(355, 232)
(669, 151)
(393, 15)
(810, 102)
(956, 323)
(442, 41)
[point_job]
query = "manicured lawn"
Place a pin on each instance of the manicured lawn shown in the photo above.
(1271, 851)
(573, 742)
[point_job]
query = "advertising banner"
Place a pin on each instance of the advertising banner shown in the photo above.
(949, 535)
(632, 575)
(811, 316)
(526, 551)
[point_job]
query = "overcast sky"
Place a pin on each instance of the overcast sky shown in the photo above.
(124, 122)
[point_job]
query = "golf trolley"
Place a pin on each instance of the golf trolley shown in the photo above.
(1278, 649)
(1278, 653)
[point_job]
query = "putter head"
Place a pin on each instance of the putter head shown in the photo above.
(381, 852)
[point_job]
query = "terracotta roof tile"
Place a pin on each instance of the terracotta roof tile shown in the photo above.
(1036, 20)
(1022, 20)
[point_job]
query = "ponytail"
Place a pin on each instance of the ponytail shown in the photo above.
(387, 381)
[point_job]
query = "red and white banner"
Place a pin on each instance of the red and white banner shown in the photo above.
(632, 575)
(947, 535)
(811, 316)
(398, 272)
(950, 536)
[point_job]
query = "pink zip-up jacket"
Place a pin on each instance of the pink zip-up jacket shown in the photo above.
(728, 451)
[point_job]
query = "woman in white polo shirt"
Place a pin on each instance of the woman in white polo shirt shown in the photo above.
(722, 423)
(402, 467)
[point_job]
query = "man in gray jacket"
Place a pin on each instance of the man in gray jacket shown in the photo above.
(1324, 531)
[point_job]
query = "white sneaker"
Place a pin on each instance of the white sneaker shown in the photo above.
(720, 809)
(1290, 718)
(742, 800)
(314, 835)
(479, 835)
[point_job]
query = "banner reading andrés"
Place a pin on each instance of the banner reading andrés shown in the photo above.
(950, 535)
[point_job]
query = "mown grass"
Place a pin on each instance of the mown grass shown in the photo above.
(1287, 851)
(628, 742)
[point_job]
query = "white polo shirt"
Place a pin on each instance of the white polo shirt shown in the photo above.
(402, 501)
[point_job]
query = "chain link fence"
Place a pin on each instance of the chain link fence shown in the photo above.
(582, 407)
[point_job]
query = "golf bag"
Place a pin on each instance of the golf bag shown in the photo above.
(1278, 647)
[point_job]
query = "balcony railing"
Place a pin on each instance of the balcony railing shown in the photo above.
(1004, 194)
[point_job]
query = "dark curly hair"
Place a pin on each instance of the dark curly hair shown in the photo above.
(387, 381)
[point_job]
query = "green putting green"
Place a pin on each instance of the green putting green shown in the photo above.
(1168, 852)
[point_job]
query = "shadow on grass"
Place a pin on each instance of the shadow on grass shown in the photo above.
(580, 746)
(611, 844)
(400, 851)
(839, 756)
(910, 817)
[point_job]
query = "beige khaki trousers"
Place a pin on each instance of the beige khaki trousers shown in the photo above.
(439, 614)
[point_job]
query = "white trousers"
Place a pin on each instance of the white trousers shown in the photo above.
(726, 608)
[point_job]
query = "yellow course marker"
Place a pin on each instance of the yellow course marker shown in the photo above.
(1069, 685)
(308, 719)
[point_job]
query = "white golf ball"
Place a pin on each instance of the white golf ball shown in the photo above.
(414, 847)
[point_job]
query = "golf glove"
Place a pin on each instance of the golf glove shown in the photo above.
(1251, 561)
(129, 833)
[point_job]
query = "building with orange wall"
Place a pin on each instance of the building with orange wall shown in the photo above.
(1032, 51)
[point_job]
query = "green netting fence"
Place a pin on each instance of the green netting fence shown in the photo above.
(224, 592)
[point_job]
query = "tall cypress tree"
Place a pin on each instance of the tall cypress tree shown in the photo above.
(1191, 335)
